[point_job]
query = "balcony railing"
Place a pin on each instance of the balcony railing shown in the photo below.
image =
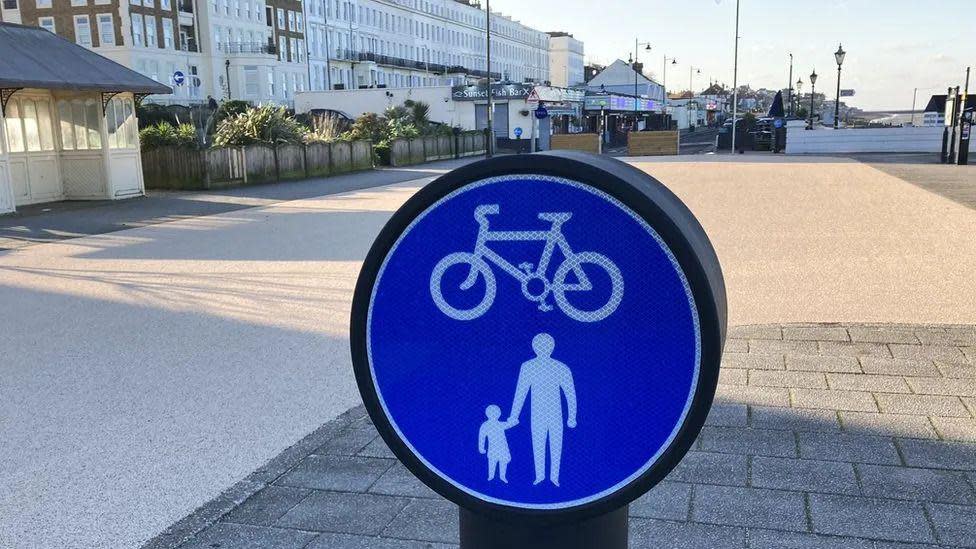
(189, 45)
(186, 6)
(390, 61)
(247, 47)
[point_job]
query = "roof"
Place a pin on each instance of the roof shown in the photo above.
(616, 74)
(938, 103)
(35, 58)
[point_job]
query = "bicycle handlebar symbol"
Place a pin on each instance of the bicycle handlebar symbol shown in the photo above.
(527, 273)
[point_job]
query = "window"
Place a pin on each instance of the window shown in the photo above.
(106, 30)
(281, 18)
(271, 84)
(137, 29)
(29, 126)
(251, 90)
(300, 21)
(149, 3)
(164, 4)
(152, 36)
(80, 124)
(121, 123)
(83, 30)
(43, 3)
(291, 20)
(167, 33)
(46, 23)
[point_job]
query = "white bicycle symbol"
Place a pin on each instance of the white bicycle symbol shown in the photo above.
(535, 286)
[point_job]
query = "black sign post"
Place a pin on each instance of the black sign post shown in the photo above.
(538, 338)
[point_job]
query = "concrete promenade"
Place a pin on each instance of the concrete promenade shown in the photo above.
(147, 370)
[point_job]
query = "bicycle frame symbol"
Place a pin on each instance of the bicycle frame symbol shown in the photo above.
(535, 286)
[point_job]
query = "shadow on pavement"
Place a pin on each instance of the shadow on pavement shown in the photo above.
(71, 219)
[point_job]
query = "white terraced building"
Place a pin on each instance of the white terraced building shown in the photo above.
(402, 43)
(266, 50)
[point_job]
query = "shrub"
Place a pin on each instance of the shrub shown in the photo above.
(370, 127)
(382, 153)
(326, 129)
(267, 124)
(165, 134)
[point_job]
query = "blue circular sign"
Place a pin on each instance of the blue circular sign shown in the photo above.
(178, 78)
(518, 131)
(530, 341)
(541, 112)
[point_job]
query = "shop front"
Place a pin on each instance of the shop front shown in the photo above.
(615, 115)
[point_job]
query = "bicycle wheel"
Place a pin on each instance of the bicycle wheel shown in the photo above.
(478, 266)
(578, 261)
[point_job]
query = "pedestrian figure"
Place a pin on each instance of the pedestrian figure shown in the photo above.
(492, 440)
(548, 380)
(212, 103)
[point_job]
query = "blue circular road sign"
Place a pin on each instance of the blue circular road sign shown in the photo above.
(540, 336)
(541, 112)
(179, 78)
(518, 131)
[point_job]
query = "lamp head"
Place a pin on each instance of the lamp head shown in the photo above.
(647, 47)
(813, 77)
(839, 55)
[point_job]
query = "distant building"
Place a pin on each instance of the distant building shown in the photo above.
(591, 70)
(934, 113)
(267, 50)
(565, 60)
(619, 77)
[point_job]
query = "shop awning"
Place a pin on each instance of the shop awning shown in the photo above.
(31, 57)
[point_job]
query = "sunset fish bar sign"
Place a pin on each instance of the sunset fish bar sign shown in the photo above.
(538, 338)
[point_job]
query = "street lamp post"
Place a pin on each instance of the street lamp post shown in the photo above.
(839, 57)
(813, 92)
(490, 145)
(634, 65)
(664, 82)
(691, 79)
(735, 76)
(799, 96)
(789, 88)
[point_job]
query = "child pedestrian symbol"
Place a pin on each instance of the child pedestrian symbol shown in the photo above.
(492, 440)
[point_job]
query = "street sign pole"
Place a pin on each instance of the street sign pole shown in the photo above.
(541, 396)
(608, 531)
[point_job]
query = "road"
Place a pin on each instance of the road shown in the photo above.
(145, 370)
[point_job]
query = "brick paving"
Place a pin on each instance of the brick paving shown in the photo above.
(821, 436)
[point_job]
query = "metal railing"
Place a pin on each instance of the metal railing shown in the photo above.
(247, 47)
(185, 6)
(391, 61)
(189, 45)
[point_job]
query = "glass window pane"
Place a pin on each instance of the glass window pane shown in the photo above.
(114, 120)
(94, 131)
(67, 131)
(44, 125)
(130, 123)
(78, 119)
(15, 131)
(30, 126)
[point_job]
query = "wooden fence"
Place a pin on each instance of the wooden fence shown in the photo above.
(652, 143)
(589, 142)
(404, 152)
(179, 168)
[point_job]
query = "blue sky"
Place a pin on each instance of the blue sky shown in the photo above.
(893, 45)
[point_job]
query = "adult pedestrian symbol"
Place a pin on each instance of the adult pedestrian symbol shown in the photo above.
(540, 335)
